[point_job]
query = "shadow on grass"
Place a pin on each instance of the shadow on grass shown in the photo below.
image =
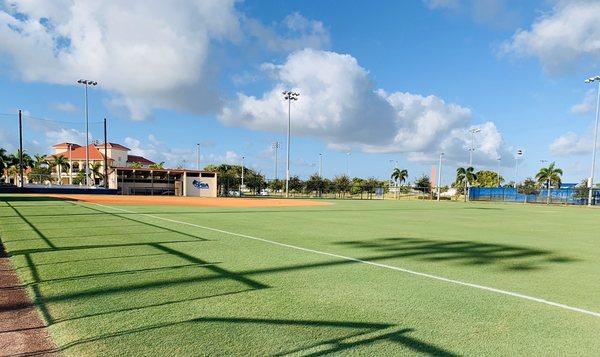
(363, 335)
(509, 257)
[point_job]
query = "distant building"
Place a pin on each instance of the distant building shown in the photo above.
(132, 174)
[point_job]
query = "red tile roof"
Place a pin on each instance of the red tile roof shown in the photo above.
(142, 160)
(79, 154)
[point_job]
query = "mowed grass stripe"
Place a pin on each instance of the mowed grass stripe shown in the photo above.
(385, 266)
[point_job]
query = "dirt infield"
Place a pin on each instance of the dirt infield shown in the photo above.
(192, 201)
(22, 331)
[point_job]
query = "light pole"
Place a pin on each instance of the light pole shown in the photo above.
(320, 165)
(547, 183)
(243, 170)
(347, 166)
(473, 132)
(276, 148)
(591, 184)
(289, 96)
(498, 170)
(198, 156)
(395, 181)
(439, 180)
(519, 154)
(86, 83)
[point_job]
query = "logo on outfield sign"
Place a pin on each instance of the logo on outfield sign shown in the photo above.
(199, 184)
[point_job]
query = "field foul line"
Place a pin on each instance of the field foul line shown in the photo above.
(391, 267)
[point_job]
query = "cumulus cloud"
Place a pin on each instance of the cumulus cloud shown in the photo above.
(570, 33)
(148, 53)
(340, 104)
(571, 144)
(587, 105)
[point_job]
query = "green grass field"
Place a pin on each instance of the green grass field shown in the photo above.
(143, 282)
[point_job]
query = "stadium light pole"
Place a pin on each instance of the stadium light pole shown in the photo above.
(198, 156)
(439, 179)
(473, 132)
(517, 156)
(320, 165)
(395, 182)
(347, 165)
(591, 181)
(86, 83)
(547, 183)
(289, 96)
(498, 170)
(276, 148)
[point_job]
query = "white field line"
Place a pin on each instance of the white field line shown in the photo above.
(408, 271)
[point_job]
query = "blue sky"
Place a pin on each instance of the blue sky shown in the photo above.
(385, 80)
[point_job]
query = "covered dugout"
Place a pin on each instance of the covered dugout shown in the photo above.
(175, 182)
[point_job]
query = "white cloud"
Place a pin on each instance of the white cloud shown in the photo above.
(293, 33)
(587, 105)
(567, 35)
(571, 144)
(338, 103)
(65, 135)
(66, 107)
(156, 150)
(150, 54)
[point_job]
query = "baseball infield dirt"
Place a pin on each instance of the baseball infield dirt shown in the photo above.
(192, 201)
(22, 331)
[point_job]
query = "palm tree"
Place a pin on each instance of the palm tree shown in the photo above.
(136, 165)
(39, 160)
(467, 176)
(61, 163)
(549, 175)
(95, 171)
(3, 161)
(399, 175)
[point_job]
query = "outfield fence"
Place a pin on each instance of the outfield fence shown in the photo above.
(573, 196)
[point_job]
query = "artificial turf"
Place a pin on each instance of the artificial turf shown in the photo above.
(110, 282)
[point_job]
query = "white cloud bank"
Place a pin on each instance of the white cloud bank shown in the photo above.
(339, 103)
(149, 53)
(587, 105)
(567, 35)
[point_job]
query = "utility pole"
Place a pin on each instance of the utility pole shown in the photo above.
(289, 96)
